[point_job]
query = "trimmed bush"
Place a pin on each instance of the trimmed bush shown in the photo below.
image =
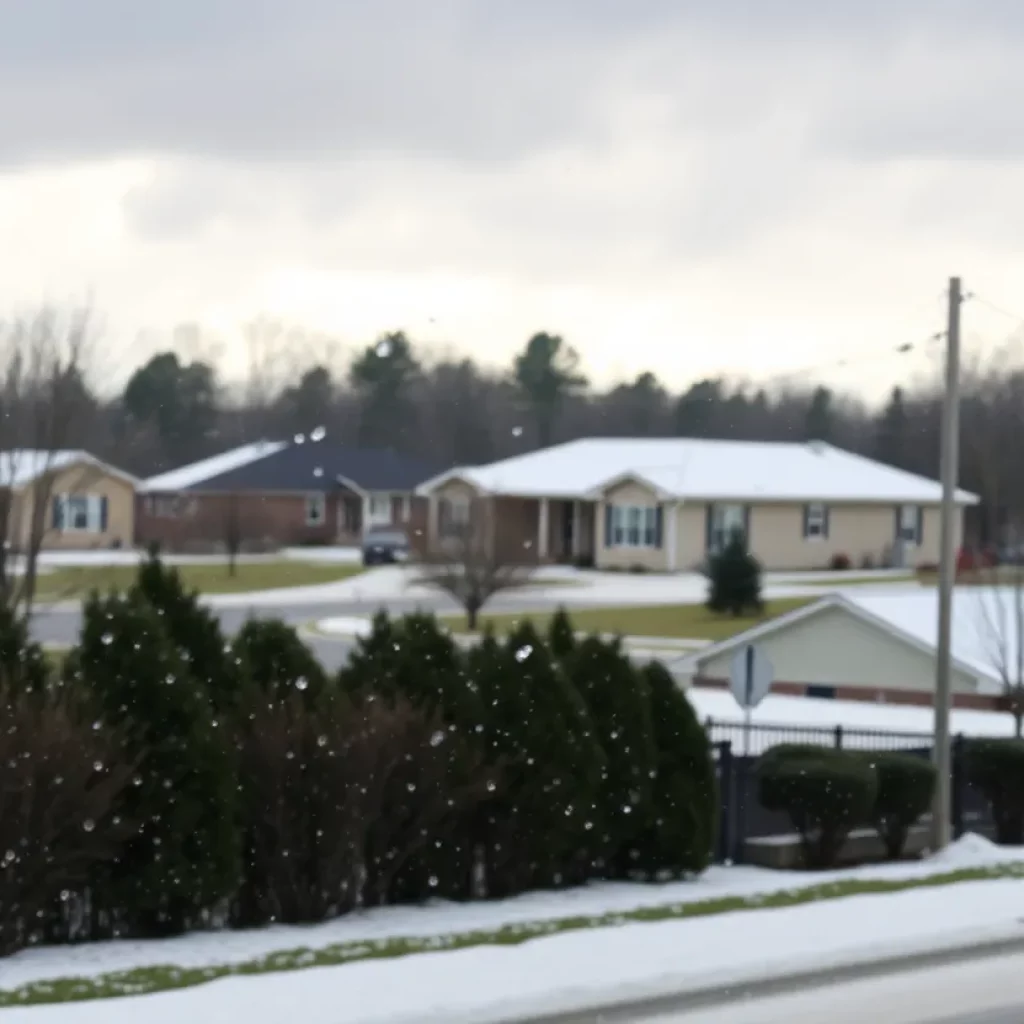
(62, 783)
(615, 694)
(735, 580)
(194, 630)
(561, 635)
(906, 786)
(824, 796)
(840, 563)
(679, 834)
(536, 828)
(996, 768)
(273, 658)
(183, 860)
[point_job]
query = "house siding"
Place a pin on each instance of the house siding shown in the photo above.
(834, 648)
(84, 479)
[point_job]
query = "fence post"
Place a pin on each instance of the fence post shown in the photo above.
(839, 737)
(958, 782)
(726, 801)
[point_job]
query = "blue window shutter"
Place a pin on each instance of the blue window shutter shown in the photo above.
(709, 526)
(807, 520)
(608, 540)
(58, 513)
(659, 525)
(104, 513)
(920, 525)
(896, 528)
(827, 523)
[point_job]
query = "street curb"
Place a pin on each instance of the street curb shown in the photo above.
(740, 989)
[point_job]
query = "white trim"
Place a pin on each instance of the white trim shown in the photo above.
(823, 604)
(316, 499)
(631, 476)
(670, 532)
(350, 484)
(463, 473)
(543, 528)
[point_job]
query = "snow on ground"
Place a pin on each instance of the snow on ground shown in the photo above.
(477, 984)
(205, 949)
(129, 556)
(810, 712)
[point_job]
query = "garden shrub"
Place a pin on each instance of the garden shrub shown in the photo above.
(273, 658)
(906, 786)
(735, 580)
(62, 784)
(679, 834)
(183, 860)
(996, 768)
(561, 636)
(824, 796)
(840, 562)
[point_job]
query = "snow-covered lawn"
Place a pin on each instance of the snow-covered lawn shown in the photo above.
(578, 960)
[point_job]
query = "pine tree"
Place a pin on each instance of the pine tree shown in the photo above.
(184, 858)
(735, 577)
(679, 833)
(195, 630)
(273, 658)
(537, 831)
(616, 696)
(561, 635)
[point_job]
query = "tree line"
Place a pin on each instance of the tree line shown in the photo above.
(395, 393)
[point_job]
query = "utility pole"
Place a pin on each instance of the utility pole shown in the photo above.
(942, 753)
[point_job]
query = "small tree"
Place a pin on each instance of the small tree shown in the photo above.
(735, 579)
(272, 656)
(474, 560)
(561, 635)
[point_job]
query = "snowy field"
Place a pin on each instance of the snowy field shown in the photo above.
(476, 983)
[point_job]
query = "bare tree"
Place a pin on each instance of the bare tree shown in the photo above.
(473, 559)
(1001, 611)
(44, 402)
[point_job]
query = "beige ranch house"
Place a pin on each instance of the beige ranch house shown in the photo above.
(667, 504)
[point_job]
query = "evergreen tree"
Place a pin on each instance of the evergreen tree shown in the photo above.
(195, 630)
(274, 659)
(184, 858)
(23, 665)
(616, 696)
(819, 424)
(735, 579)
(891, 439)
(679, 833)
(538, 829)
(561, 635)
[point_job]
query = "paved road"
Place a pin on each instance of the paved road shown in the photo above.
(981, 992)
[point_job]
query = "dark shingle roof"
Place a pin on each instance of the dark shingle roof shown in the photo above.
(317, 465)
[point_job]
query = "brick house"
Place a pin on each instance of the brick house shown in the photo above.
(278, 493)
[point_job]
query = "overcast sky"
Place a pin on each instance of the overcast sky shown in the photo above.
(738, 186)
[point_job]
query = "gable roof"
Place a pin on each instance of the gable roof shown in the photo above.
(702, 469)
(22, 466)
(983, 639)
(290, 466)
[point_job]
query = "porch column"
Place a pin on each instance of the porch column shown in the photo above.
(432, 520)
(366, 514)
(577, 522)
(672, 514)
(542, 529)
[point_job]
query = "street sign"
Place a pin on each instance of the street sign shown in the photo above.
(750, 679)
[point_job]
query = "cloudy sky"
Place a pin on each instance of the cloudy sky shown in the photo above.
(740, 186)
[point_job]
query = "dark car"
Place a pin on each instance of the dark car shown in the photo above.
(385, 547)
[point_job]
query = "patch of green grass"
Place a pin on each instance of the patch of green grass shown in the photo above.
(162, 978)
(676, 621)
(206, 577)
(858, 581)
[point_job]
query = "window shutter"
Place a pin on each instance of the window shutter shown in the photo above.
(58, 512)
(746, 525)
(709, 526)
(896, 528)
(608, 526)
(807, 521)
(659, 525)
(826, 525)
(920, 525)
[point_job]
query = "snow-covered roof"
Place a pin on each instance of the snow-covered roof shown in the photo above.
(20, 466)
(196, 472)
(700, 469)
(984, 639)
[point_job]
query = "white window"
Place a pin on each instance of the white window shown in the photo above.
(815, 521)
(79, 513)
(908, 527)
(316, 508)
(633, 526)
(726, 521)
(378, 510)
(453, 516)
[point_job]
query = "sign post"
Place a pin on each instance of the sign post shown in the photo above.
(750, 679)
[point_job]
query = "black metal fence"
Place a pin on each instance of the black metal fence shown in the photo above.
(736, 751)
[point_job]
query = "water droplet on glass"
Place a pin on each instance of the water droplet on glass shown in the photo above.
(411, 787)
(97, 766)
(301, 683)
(88, 824)
(321, 741)
(300, 438)
(588, 825)
(517, 431)
(432, 880)
(524, 652)
(383, 348)
(65, 895)
(318, 433)
(9, 857)
(437, 739)
(491, 787)
(319, 471)
(107, 638)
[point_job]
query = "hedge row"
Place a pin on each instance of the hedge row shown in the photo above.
(169, 780)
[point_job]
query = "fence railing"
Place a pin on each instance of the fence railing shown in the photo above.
(762, 737)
